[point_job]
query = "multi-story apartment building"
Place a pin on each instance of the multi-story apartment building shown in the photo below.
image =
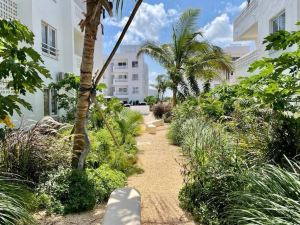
(59, 41)
(259, 19)
(127, 77)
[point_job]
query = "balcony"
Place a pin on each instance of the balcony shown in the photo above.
(120, 68)
(242, 65)
(121, 94)
(120, 81)
(245, 25)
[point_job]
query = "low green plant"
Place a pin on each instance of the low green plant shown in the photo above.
(67, 191)
(272, 196)
(106, 181)
(150, 100)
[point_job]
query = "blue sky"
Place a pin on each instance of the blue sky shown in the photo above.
(155, 18)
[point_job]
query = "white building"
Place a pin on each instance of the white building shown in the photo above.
(57, 38)
(127, 77)
(258, 20)
(235, 51)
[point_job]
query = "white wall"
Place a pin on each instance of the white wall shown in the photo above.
(262, 15)
(64, 16)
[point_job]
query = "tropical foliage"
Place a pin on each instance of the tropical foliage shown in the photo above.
(21, 69)
(241, 142)
(187, 58)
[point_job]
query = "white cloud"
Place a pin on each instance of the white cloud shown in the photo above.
(219, 31)
(148, 23)
(234, 9)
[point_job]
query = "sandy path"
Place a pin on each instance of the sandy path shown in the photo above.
(161, 181)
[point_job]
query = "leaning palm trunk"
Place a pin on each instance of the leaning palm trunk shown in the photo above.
(81, 140)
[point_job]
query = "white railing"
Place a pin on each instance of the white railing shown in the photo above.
(120, 93)
(248, 10)
(120, 80)
(120, 67)
(246, 60)
(49, 50)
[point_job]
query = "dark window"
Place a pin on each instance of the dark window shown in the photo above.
(135, 64)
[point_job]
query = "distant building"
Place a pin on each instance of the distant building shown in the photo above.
(59, 41)
(259, 19)
(127, 77)
(235, 52)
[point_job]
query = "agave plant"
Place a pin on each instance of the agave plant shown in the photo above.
(14, 203)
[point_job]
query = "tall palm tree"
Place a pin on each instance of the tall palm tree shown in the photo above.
(89, 25)
(186, 51)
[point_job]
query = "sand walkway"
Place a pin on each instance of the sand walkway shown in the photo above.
(161, 181)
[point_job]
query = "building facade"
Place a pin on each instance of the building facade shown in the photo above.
(225, 77)
(59, 41)
(259, 19)
(127, 77)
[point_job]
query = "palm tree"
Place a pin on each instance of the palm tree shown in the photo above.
(161, 86)
(181, 57)
(94, 10)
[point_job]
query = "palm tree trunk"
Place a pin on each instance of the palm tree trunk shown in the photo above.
(174, 97)
(81, 141)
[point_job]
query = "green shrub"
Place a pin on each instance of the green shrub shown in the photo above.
(106, 181)
(180, 114)
(284, 138)
(67, 191)
(213, 170)
(272, 197)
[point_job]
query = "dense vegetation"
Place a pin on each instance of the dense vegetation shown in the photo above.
(242, 143)
(35, 161)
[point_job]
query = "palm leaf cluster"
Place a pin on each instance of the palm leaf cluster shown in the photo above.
(188, 58)
(13, 206)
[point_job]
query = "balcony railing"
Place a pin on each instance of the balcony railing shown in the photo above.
(245, 12)
(120, 80)
(120, 93)
(49, 50)
(120, 67)
(246, 60)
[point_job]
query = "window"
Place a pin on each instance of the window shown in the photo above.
(122, 77)
(135, 77)
(122, 64)
(50, 102)
(123, 90)
(135, 64)
(53, 102)
(135, 90)
(49, 39)
(278, 23)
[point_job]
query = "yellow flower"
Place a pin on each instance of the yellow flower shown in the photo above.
(7, 121)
